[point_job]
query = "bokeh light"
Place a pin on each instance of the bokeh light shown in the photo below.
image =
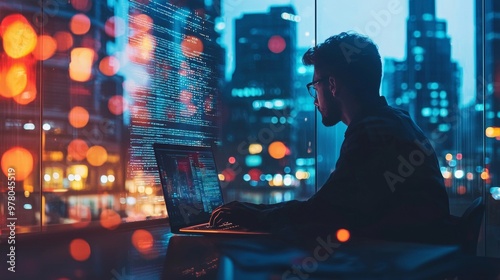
(80, 67)
(64, 40)
(114, 26)
(276, 44)
(28, 95)
(19, 37)
(13, 80)
(254, 149)
(19, 159)
(117, 105)
(141, 22)
(45, 48)
(191, 46)
(143, 241)
(228, 174)
(109, 219)
(77, 149)
(461, 190)
(82, 5)
(79, 249)
(277, 150)
(97, 155)
(79, 24)
(78, 117)
(141, 46)
(109, 65)
(343, 235)
(254, 174)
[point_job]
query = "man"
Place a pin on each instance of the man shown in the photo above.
(387, 183)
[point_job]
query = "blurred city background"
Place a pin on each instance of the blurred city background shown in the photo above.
(88, 86)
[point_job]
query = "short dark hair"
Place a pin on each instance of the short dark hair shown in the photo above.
(350, 57)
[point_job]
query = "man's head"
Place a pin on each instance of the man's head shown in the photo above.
(347, 74)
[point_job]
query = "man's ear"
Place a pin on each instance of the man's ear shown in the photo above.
(332, 84)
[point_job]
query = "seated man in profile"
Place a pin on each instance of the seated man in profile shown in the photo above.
(387, 183)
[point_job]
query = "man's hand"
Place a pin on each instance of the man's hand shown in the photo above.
(244, 214)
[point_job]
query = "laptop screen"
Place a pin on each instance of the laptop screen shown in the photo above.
(190, 183)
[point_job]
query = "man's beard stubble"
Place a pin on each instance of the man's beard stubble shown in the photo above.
(333, 114)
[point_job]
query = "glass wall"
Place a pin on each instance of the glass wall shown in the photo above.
(88, 86)
(433, 68)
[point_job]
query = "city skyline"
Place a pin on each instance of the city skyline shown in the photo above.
(369, 21)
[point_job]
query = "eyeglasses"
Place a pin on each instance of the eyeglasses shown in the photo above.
(311, 87)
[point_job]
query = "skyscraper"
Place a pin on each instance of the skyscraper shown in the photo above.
(430, 80)
(257, 133)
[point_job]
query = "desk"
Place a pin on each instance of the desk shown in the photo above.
(144, 251)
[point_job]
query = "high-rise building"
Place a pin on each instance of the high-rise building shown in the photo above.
(259, 100)
(429, 80)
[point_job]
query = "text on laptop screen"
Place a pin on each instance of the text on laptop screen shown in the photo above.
(190, 184)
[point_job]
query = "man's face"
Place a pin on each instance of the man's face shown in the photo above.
(328, 105)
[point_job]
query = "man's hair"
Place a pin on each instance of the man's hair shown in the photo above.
(350, 57)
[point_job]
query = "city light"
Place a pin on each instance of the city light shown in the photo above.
(255, 148)
(45, 48)
(19, 37)
(19, 159)
(79, 249)
(78, 117)
(80, 67)
(492, 132)
(495, 193)
(79, 24)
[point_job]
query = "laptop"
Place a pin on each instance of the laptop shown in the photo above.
(191, 188)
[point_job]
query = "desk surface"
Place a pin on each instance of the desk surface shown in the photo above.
(153, 252)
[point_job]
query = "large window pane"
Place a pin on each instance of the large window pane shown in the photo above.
(429, 58)
(267, 120)
(95, 83)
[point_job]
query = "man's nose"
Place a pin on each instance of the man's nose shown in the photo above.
(316, 102)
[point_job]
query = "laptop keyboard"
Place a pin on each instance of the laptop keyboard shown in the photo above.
(223, 226)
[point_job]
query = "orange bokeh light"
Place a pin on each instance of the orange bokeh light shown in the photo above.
(117, 105)
(78, 117)
(141, 22)
(80, 67)
(19, 37)
(77, 149)
(82, 5)
(79, 24)
(45, 48)
(13, 80)
(19, 160)
(140, 48)
(191, 46)
(109, 65)
(277, 150)
(343, 235)
(142, 240)
(109, 219)
(114, 26)
(79, 249)
(28, 95)
(64, 40)
(97, 155)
